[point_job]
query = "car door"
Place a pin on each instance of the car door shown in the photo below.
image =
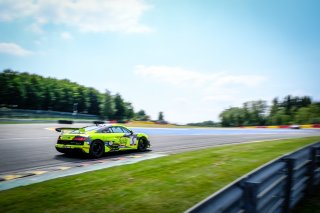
(106, 135)
(118, 134)
(129, 137)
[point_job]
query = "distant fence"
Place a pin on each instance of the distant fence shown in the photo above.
(275, 187)
(304, 126)
(23, 113)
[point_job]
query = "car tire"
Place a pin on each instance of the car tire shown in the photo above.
(96, 149)
(142, 145)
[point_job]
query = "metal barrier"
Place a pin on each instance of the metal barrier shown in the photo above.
(24, 113)
(275, 187)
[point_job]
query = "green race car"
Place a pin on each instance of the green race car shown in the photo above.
(99, 139)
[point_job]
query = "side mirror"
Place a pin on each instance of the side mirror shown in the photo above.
(131, 132)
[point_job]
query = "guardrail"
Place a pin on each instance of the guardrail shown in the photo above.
(275, 187)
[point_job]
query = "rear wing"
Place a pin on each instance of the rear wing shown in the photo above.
(68, 129)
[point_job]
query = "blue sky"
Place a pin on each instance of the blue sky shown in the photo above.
(189, 59)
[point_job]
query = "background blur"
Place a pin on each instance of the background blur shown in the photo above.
(191, 60)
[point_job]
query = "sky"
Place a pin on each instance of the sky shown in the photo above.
(190, 59)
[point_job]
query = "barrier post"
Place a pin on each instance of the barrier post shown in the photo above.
(251, 192)
(290, 167)
(312, 169)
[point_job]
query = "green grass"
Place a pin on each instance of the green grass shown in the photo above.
(168, 184)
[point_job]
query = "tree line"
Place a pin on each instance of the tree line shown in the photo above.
(289, 110)
(31, 91)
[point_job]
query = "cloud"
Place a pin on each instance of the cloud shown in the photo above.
(85, 15)
(13, 49)
(66, 36)
(171, 75)
(181, 77)
(219, 97)
(196, 95)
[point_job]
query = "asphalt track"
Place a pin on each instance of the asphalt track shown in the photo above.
(26, 147)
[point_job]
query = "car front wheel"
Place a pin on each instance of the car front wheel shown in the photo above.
(142, 145)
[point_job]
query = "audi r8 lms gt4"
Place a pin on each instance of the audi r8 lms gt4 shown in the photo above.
(99, 139)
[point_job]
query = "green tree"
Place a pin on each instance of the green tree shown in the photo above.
(303, 115)
(315, 112)
(279, 118)
(49, 97)
(161, 116)
(108, 108)
(94, 100)
(287, 104)
(82, 99)
(258, 111)
(205, 123)
(309, 114)
(142, 116)
(12, 89)
(30, 91)
(120, 109)
(129, 111)
(274, 107)
(232, 117)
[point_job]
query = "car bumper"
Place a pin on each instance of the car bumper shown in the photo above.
(72, 148)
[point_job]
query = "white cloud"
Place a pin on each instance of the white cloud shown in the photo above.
(219, 97)
(181, 77)
(66, 36)
(171, 75)
(245, 80)
(85, 15)
(13, 9)
(13, 49)
(181, 100)
(193, 96)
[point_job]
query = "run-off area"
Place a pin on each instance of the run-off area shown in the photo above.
(29, 148)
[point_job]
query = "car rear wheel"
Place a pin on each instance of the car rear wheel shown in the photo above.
(142, 145)
(96, 149)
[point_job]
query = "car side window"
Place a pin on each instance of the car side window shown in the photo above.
(116, 129)
(125, 130)
(106, 130)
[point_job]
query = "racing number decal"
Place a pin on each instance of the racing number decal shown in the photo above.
(133, 139)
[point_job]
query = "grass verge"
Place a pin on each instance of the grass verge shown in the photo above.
(167, 184)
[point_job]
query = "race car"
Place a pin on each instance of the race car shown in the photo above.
(99, 139)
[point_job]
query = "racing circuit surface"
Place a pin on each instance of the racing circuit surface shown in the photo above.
(26, 147)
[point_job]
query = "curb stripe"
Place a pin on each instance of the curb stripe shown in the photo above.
(61, 168)
(11, 177)
(38, 172)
